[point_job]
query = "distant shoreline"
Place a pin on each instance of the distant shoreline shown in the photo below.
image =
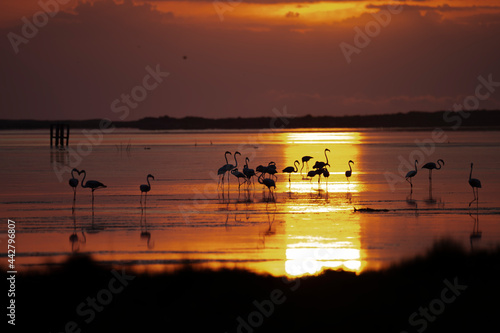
(414, 120)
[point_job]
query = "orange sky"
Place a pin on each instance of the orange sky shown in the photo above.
(247, 58)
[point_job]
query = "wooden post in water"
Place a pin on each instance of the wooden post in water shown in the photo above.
(57, 132)
(51, 134)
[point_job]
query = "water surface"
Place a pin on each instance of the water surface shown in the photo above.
(307, 228)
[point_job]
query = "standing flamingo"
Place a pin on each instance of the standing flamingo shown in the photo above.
(268, 182)
(410, 175)
(313, 173)
(321, 165)
(239, 175)
(305, 159)
(223, 169)
(432, 165)
(146, 188)
(73, 182)
(291, 169)
(249, 173)
(326, 174)
(93, 185)
(475, 184)
(348, 173)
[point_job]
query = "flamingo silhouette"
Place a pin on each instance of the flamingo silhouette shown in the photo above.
(271, 170)
(305, 159)
(239, 175)
(475, 184)
(291, 169)
(348, 173)
(146, 188)
(410, 175)
(249, 173)
(326, 174)
(73, 182)
(223, 169)
(321, 165)
(268, 182)
(313, 173)
(431, 166)
(93, 185)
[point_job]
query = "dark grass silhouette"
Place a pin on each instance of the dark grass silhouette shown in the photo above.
(202, 300)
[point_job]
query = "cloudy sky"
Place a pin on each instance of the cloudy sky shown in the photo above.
(227, 58)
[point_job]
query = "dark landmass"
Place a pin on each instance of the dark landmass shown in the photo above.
(484, 119)
(450, 289)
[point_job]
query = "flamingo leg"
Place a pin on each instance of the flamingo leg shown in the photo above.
(474, 193)
(92, 204)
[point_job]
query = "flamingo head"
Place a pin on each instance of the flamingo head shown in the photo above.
(228, 152)
(350, 161)
(151, 176)
(237, 153)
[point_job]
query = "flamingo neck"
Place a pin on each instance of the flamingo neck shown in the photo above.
(470, 174)
(148, 182)
(350, 167)
(235, 161)
(295, 165)
(225, 156)
(415, 165)
(326, 156)
(83, 180)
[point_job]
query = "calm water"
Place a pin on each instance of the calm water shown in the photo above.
(309, 226)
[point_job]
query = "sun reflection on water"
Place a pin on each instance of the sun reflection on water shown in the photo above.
(312, 247)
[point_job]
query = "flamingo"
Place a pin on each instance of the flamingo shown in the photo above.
(271, 169)
(291, 169)
(305, 159)
(92, 184)
(348, 173)
(475, 184)
(268, 182)
(432, 165)
(313, 173)
(321, 165)
(73, 182)
(326, 174)
(249, 173)
(223, 169)
(146, 188)
(239, 175)
(411, 174)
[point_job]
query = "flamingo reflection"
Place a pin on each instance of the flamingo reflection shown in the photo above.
(74, 238)
(145, 234)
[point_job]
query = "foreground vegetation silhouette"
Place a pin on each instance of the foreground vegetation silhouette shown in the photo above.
(203, 300)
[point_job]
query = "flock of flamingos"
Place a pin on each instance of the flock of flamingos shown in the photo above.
(319, 169)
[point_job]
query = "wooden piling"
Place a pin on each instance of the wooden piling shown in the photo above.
(59, 132)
